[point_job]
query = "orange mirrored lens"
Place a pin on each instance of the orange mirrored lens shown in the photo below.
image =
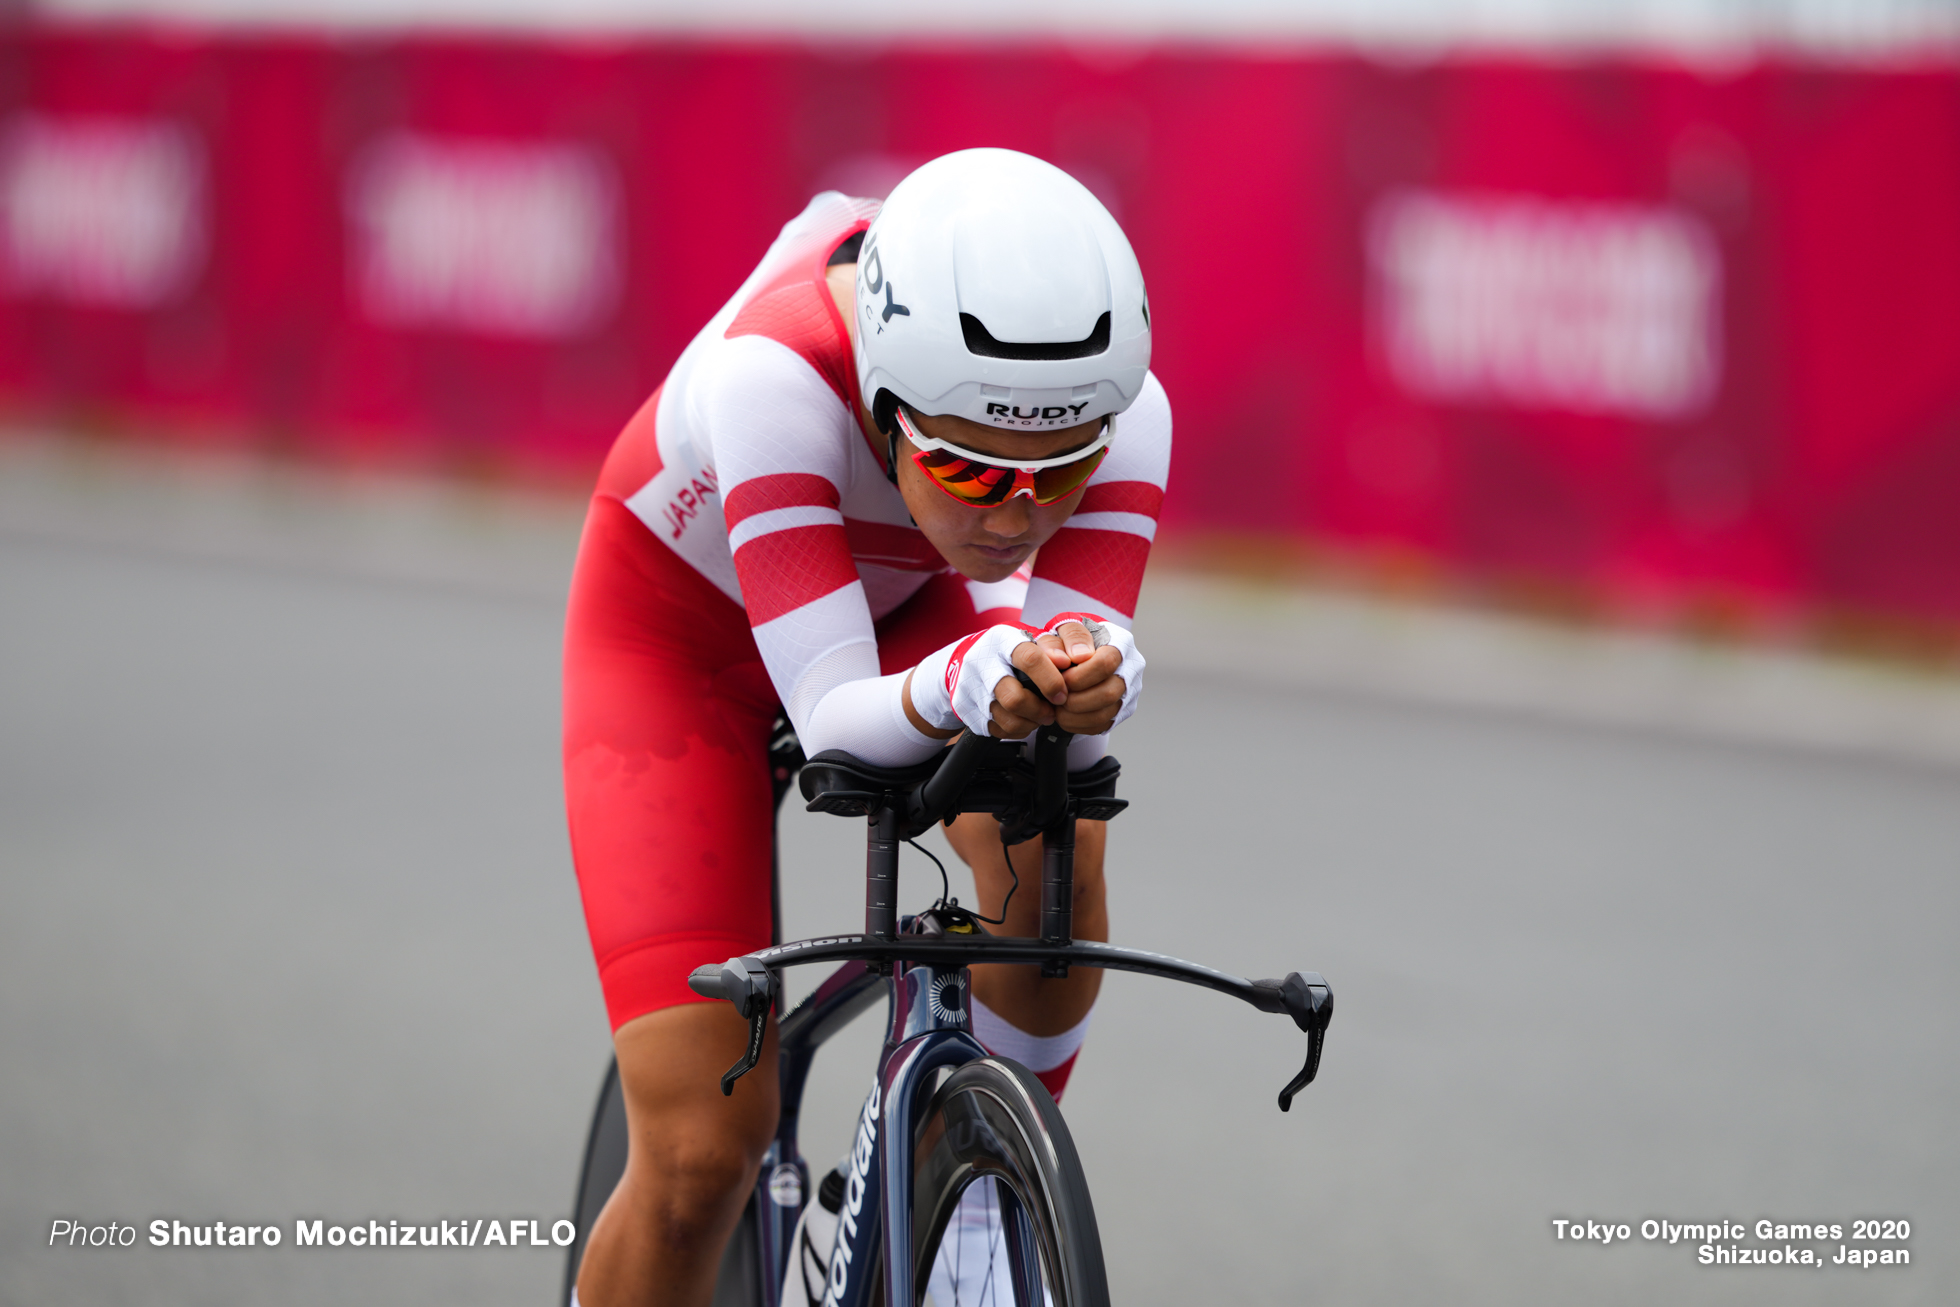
(965, 480)
(1053, 483)
(982, 484)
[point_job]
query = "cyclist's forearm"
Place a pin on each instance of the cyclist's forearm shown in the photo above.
(870, 719)
(912, 715)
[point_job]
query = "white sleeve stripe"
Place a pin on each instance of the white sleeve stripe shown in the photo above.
(781, 519)
(867, 718)
(1046, 598)
(1136, 524)
(1011, 593)
(853, 660)
(792, 642)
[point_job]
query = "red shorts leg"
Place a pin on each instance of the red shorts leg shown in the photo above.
(667, 716)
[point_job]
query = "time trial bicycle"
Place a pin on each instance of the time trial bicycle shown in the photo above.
(952, 1142)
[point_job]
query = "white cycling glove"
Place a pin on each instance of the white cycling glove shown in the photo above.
(955, 686)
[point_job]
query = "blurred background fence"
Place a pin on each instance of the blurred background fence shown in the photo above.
(1663, 334)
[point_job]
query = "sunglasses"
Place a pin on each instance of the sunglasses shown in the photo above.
(980, 481)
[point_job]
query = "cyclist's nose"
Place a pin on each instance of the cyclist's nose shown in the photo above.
(1009, 521)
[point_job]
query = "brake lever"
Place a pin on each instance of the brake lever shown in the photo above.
(746, 1064)
(752, 988)
(1309, 1000)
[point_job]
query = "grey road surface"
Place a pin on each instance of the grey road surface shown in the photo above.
(288, 930)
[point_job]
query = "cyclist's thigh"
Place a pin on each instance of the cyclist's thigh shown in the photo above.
(667, 715)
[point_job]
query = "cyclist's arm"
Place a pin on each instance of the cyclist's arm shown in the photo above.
(782, 453)
(1094, 565)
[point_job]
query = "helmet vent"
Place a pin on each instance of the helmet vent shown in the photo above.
(981, 341)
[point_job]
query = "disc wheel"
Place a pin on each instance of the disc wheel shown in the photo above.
(1000, 1209)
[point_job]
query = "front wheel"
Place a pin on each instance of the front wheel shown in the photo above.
(1000, 1209)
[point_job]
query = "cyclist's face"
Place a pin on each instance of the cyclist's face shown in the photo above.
(987, 544)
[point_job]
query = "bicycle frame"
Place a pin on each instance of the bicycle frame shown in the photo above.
(928, 989)
(930, 1029)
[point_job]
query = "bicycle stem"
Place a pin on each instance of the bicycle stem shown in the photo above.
(1054, 811)
(881, 873)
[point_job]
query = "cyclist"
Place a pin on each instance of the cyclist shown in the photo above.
(833, 503)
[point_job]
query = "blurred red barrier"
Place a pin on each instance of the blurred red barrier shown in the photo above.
(1631, 327)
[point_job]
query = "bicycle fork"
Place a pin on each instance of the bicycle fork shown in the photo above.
(930, 1031)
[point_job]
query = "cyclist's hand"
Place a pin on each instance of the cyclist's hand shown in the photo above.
(1064, 664)
(1091, 694)
(1101, 672)
(1095, 694)
(1069, 643)
(972, 683)
(1081, 666)
(1017, 710)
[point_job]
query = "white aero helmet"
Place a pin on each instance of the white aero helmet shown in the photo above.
(995, 287)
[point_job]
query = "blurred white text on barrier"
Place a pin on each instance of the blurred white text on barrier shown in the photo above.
(1587, 307)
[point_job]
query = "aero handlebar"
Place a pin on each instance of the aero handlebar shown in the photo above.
(1038, 797)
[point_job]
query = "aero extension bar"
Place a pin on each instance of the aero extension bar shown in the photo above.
(977, 774)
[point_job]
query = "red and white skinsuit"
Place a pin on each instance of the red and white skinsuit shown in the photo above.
(745, 549)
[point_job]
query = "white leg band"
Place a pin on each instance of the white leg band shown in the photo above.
(1035, 1052)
